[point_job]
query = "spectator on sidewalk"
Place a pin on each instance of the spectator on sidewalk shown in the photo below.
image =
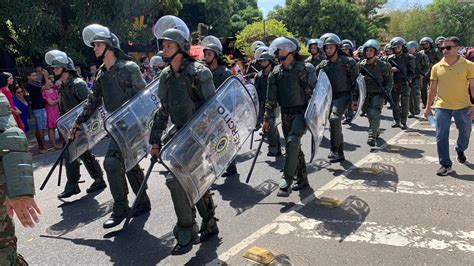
(21, 102)
(39, 74)
(6, 81)
(34, 88)
(451, 80)
(51, 97)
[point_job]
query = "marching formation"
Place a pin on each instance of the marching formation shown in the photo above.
(201, 116)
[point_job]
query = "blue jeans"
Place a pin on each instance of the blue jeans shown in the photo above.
(40, 118)
(463, 123)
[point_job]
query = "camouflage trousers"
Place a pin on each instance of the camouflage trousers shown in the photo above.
(373, 104)
(73, 169)
(8, 254)
(294, 127)
(401, 96)
(415, 96)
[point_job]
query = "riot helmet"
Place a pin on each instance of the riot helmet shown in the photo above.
(439, 40)
(397, 41)
(285, 44)
(56, 58)
(173, 29)
(331, 38)
(347, 44)
(263, 53)
(370, 43)
(255, 45)
(316, 42)
(212, 43)
(427, 40)
(98, 33)
(412, 44)
(157, 61)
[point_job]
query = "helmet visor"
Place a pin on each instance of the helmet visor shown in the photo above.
(95, 32)
(56, 58)
(170, 22)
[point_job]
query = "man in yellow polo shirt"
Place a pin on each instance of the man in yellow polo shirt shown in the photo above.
(451, 78)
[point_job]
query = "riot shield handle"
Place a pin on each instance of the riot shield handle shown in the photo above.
(58, 160)
(153, 160)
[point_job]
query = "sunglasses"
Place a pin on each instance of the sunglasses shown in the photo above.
(448, 47)
(19, 92)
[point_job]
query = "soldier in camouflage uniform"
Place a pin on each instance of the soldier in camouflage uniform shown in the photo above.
(17, 187)
(185, 86)
(348, 48)
(157, 64)
(421, 70)
(73, 91)
(388, 51)
(315, 47)
(375, 98)
(253, 67)
(401, 86)
(342, 72)
(213, 57)
(118, 80)
(290, 85)
(265, 59)
(434, 56)
(439, 42)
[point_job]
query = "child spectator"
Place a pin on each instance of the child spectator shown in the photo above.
(51, 96)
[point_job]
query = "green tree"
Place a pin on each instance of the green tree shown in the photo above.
(255, 32)
(226, 17)
(453, 18)
(348, 19)
(442, 17)
(31, 27)
(277, 13)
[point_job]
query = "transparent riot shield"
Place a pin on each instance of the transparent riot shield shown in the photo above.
(318, 111)
(362, 93)
(91, 132)
(130, 125)
(204, 147)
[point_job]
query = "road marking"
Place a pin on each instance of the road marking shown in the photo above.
(225, 256)
(379, 234)
(417, 141)
(406, 187)
(395, 158)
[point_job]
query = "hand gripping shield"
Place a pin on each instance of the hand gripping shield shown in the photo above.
(130, 125)
(318, 111)
(91, 132)
(204, 147)
(362, 93)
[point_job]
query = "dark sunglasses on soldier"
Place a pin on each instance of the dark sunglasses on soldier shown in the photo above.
(449, 47)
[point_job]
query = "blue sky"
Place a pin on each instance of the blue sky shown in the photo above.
(267, 5)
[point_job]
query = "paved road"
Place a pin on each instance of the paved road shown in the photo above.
(401, 213)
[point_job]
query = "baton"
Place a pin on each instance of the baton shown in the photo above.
(60, 171)
(153, 160)
(255, 158)
(45, 181)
